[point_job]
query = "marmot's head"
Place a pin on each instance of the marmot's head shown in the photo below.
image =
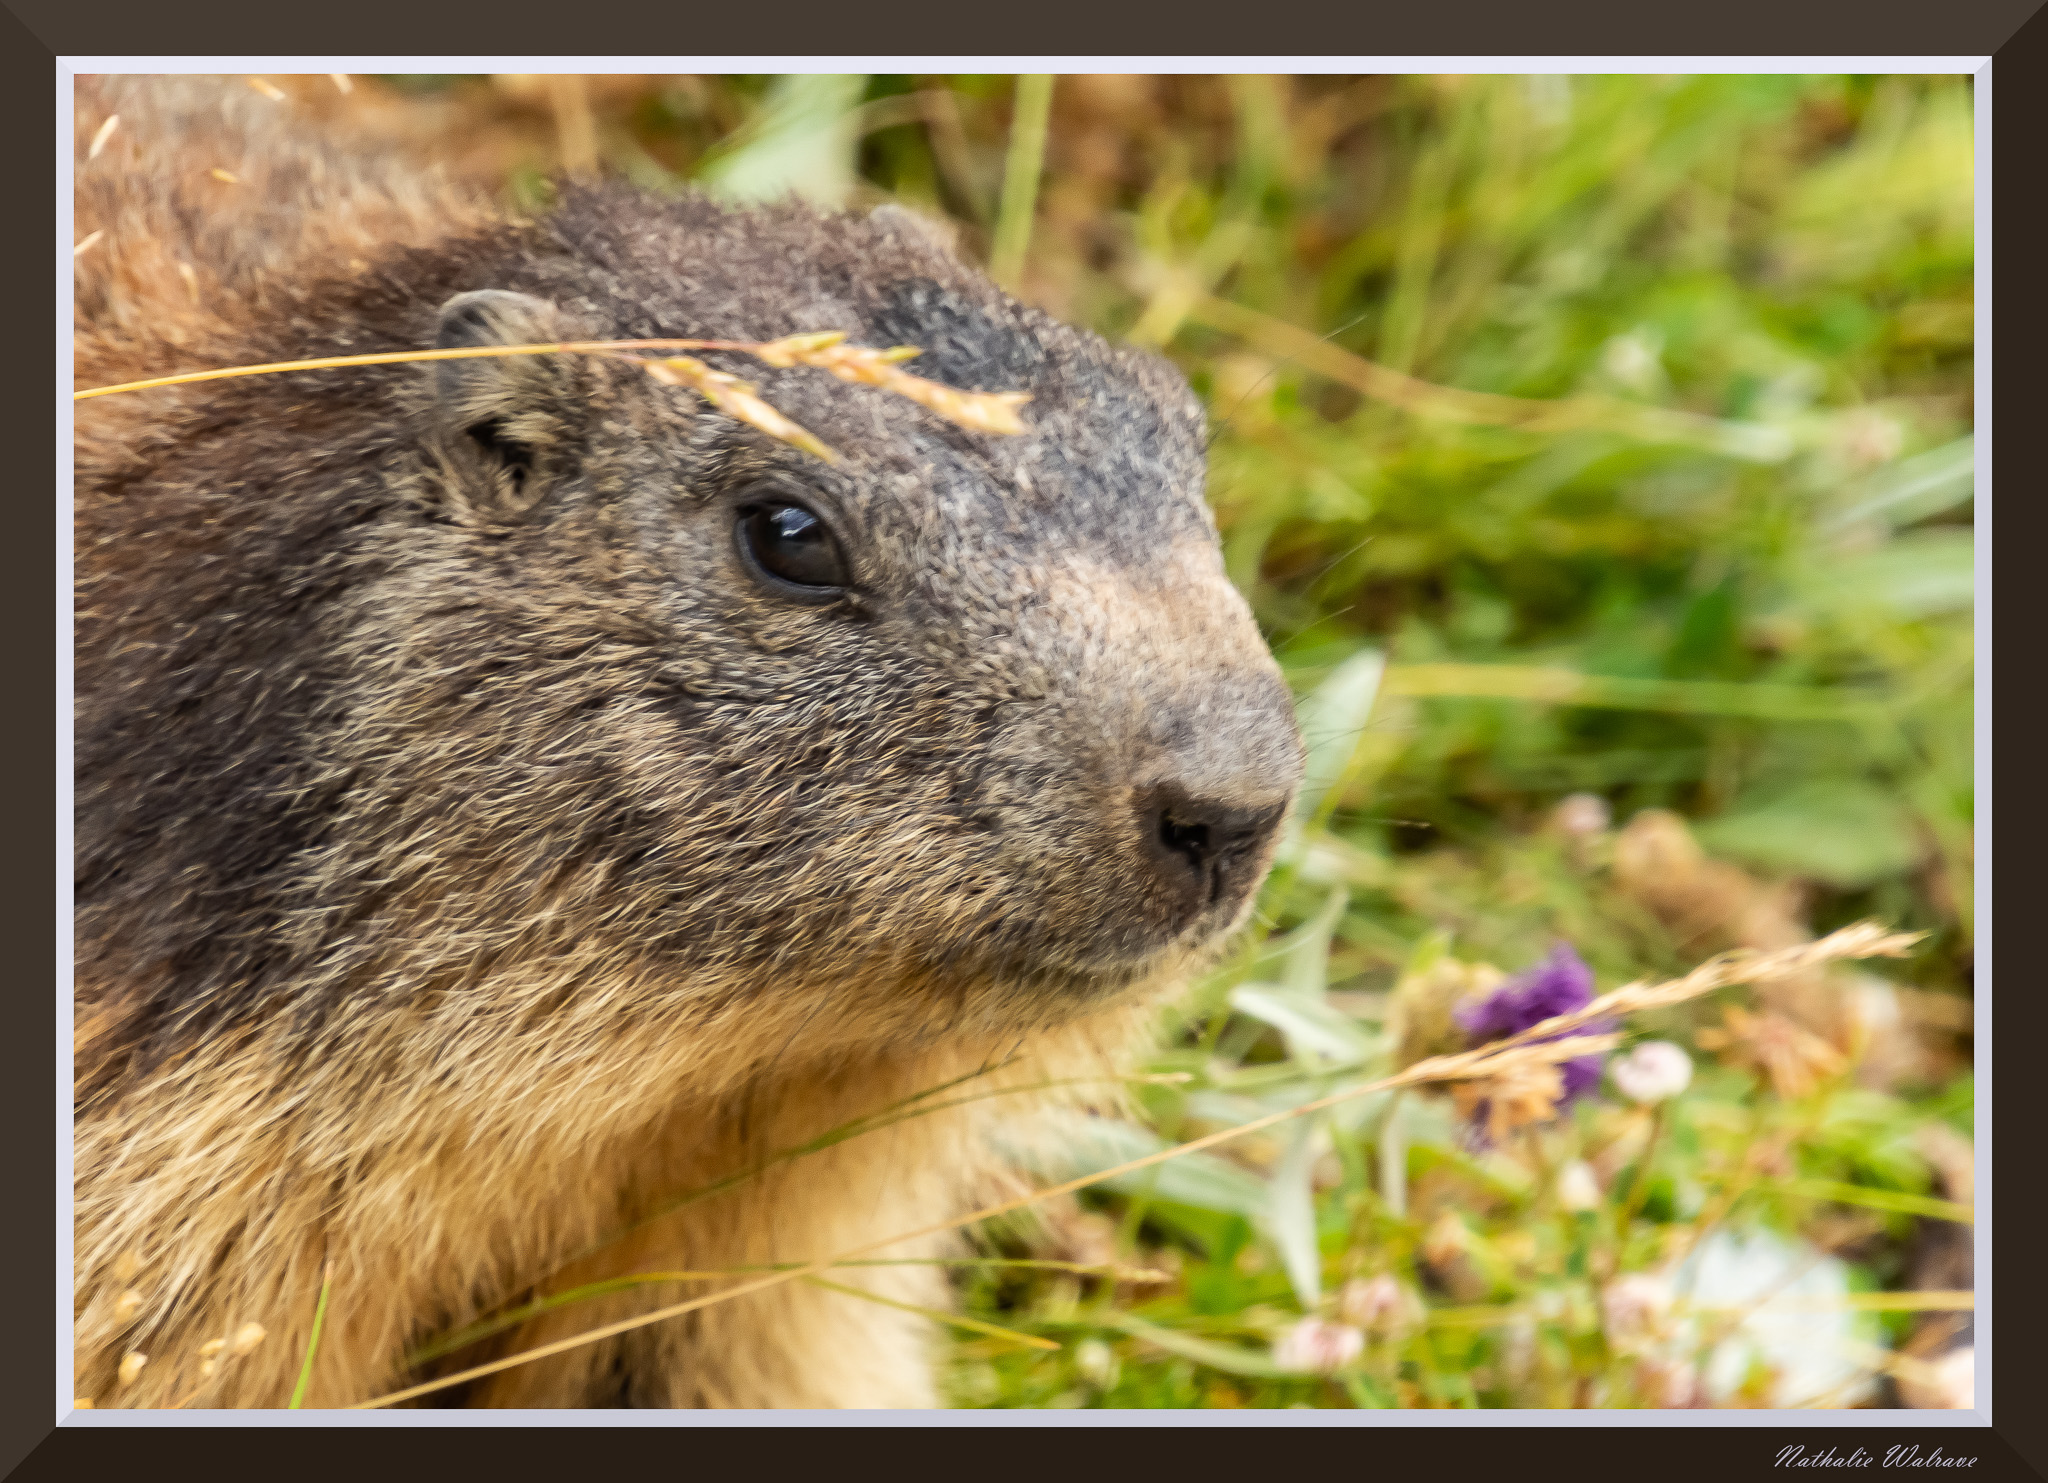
(969, 712)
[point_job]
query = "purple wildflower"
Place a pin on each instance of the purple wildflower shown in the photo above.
(1559, 984)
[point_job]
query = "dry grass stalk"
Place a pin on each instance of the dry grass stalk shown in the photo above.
(957, 1320)
(1513, 1055)
(400, 357)
(920, 1105)
(342, 82)
(1481, 408)
(88, 240)
(1862, 940)
(268, 89)
(225, 177)
(1940, 1300)
(1108, 1270)
(102, 135)
(978, 411)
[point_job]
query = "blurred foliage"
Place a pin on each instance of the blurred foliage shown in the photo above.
(1588, 447)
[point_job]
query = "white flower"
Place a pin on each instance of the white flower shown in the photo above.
(1578, 1188)
(1635, 359)
(1633, 1308)
(1655, 1071)
(1583, 813)
(1791, 1300)
(1317, 1347)
(1378, 1304)
(1096, 1362)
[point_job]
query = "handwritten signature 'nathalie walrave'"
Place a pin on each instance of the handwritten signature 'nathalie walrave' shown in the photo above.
(1904, 1455)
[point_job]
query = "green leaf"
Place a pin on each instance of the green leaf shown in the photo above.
(1086, 1145)
(1918, 575)
(802, 140)
(1333, 718)
(1313, 1029)
(1937, 480)
(1232, 1359)
(1846, 832)
(1899, 1202)
(1304, 955)
(1291, 1206)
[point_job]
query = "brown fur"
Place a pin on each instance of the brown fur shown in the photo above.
(472, 858)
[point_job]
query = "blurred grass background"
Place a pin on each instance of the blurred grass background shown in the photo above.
(1596, 454)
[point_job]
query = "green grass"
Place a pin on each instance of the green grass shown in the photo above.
(1627, 421)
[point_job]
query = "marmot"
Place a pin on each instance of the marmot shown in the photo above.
(510, 793)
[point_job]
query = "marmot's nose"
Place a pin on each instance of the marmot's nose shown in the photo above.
(1208, 850)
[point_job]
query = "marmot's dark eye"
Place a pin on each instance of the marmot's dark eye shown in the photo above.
(792, 551)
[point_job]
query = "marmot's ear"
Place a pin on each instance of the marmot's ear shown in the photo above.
(503, 418)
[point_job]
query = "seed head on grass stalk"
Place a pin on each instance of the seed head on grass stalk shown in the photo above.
(993, 412)
(1539, 1045)
(978, 411)
(736, 399)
